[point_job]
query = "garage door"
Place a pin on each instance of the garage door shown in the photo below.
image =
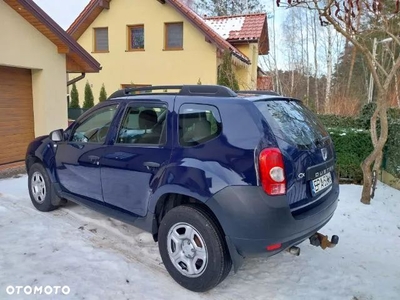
(16, 113)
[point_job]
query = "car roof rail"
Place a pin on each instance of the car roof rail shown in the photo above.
(184, 90)
(268, 93)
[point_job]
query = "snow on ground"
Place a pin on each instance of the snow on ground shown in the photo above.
(100, 258)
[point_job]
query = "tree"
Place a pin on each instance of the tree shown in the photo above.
(74, 97)
(226, 74)
(382, 18)
(103, 94)
(228, 7)
(89, 99)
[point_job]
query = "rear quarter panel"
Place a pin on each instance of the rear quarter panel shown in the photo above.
(228, 160)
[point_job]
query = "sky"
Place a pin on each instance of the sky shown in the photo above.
(63, 12)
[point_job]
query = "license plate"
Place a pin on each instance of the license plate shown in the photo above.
(321, 183)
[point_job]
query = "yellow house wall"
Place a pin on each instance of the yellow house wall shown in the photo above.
(154, 66)
(247, 75)
(23, 46)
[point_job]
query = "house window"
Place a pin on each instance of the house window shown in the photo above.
(101, 40)
(173, 36)
(136, 38)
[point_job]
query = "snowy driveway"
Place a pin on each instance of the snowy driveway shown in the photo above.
(100, 258)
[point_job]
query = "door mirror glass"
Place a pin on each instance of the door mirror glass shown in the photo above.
(57, 135)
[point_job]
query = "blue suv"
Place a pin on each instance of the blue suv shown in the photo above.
(215, 176)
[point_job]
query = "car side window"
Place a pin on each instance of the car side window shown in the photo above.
(198, 124)
(95, 128)
(143, 125)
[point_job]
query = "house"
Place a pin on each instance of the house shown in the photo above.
(157, 42)
(35, 56)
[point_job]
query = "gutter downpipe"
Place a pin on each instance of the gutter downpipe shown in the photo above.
(75, 80)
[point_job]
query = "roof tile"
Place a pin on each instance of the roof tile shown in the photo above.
(238, 28)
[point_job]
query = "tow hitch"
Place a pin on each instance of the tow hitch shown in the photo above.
(320, 240)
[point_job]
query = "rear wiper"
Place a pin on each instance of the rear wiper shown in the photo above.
(321, 141)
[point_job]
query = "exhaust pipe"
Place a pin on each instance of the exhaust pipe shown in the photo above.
(294, 250)
(320, 240)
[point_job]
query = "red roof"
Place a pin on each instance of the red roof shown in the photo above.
(241, 27)
(200, 23)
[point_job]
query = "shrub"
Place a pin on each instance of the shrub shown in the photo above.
(353, 144)
(226, 74)
(391, 161)
(74, 97)
(333, 121)
(89, 99)
(352, 147)
(103, 94)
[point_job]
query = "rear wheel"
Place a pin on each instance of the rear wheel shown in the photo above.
(40, 188)
(193, 248)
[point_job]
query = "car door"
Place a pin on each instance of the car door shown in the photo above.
(142, 148)
(78, 159)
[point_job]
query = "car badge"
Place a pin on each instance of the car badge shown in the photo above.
(324, 152)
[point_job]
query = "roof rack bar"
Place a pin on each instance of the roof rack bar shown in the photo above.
(153, 88)
(270, 93)
(184, 90)
(207, 90)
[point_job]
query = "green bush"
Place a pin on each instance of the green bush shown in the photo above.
(352, 147)
(226, 74)
(74, 97)
(103, 94)
(353, 144)
(89, 99)
(333, 121)
(391, 161)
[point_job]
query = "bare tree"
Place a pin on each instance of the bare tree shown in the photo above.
(329, 67)
(228, 7)
(308, 56)
(315, 44)
(341, 15)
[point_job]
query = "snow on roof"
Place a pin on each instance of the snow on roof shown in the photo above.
(240, 27)
(224, 26)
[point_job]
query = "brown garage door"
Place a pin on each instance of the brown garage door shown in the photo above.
(16, 113)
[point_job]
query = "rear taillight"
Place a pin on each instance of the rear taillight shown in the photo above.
(272, 171)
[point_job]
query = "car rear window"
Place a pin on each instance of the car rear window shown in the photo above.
(292, 121)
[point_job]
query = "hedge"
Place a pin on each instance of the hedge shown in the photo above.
(352, 140)
(352, 147)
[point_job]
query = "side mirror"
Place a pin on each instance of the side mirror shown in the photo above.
(57, 135)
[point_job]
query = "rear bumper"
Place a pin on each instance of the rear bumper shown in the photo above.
(253, 220)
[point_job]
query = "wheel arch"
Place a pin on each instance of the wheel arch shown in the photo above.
(170, 200)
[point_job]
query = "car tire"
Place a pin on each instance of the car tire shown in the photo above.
(193, 248)
(40, 189)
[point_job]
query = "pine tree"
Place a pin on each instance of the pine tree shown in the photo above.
(226, 74)
(228, 7)
(74, 97)
(103, 94)
(89, 99)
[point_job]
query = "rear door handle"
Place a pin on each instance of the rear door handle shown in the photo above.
(151, 165)
(94, 159)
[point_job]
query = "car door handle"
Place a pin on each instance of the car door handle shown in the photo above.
(94, 159)
(151, 165)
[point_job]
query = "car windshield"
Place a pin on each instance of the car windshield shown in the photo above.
(293, 122)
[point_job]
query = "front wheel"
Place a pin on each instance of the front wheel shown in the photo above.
(40, 188)
(193, 248)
